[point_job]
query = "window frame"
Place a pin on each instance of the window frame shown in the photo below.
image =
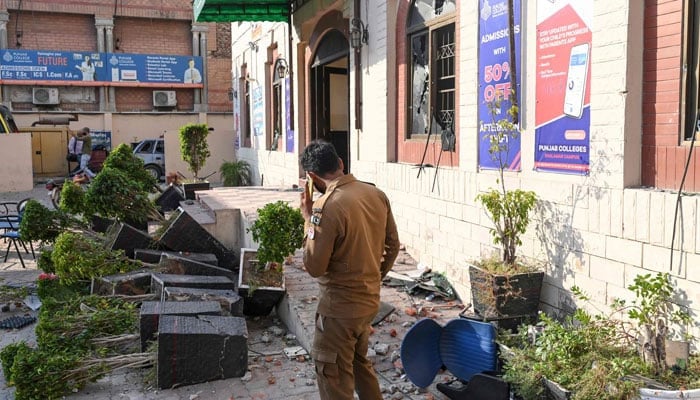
(430, 28)
(690, 106)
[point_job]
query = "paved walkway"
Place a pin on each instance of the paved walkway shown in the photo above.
(271, 374)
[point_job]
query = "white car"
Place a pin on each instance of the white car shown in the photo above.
(152, 152)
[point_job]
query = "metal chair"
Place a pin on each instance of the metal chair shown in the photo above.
(11, 234)
(11, 210)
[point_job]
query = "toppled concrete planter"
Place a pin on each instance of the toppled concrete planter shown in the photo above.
(170, 264)
(154, 256)
(151, 312)
(122, 236)
(170, 199)
(229, 300)
(200, 349)
(132, 283)
(160, 281)
(185, 234)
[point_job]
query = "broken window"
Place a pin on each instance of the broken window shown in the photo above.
(431, 36)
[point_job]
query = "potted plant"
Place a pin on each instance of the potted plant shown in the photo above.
(235, 173)
(278, 231)
(603, 356)
(505, 288)
(194, 149)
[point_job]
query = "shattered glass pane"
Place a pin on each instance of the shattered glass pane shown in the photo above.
(425, 10)
(420, 83)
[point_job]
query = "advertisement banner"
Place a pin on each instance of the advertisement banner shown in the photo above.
(495, 80)
(288, 115)
(33, 65)
(258, 112)
(101, 138)
(99, 69)
(563, 88)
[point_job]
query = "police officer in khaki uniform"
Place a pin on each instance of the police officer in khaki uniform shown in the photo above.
(351, 244)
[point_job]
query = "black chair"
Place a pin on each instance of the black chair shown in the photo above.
(11, 234)
(11, 210)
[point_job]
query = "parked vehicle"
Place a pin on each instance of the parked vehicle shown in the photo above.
(152, 152)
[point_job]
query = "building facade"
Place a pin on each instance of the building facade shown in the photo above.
(607, 94)
(129, 70)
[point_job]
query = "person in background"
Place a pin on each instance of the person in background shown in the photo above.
(73, 155)
(87, 68)
(85, 144)
(351, 244)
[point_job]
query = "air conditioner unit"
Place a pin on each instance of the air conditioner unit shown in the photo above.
(45, 96)
(164, 98)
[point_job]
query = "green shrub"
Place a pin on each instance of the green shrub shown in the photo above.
(279, 231)
(194, 147)
(73, 199)
(40, 374)
(115, 194)
(123, 159)
(41, 224)
(7, 357)
(78, 259)
(235, 173)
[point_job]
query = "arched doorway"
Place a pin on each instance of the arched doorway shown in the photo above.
(330, 94)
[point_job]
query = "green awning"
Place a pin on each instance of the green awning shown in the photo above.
(242, 10)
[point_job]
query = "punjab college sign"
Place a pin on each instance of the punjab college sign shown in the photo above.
(99, 69)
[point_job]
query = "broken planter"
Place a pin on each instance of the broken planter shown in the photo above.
(258, 298)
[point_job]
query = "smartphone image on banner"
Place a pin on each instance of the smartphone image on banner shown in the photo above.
(576, 80)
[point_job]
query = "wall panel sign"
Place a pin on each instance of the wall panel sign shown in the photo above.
(46, 67)
(288, 115)
(258, 112)
(495, 80)
(562, 114)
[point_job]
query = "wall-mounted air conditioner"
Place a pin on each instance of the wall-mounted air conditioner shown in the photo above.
(45, 96)
(164, 98)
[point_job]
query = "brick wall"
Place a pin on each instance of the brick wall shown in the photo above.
(139, 27)
(663, 158)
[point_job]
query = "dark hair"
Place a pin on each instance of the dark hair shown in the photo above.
(320, 158)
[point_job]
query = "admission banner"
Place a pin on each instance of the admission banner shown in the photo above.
(26, 67)
(495, 80)
(563, 88)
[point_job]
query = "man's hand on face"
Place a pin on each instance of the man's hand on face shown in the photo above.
(307, 203)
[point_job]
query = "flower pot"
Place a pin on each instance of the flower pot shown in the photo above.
(191, 187)
(498, 296)
(258, 300)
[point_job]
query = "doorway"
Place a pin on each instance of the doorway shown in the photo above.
(330, 94)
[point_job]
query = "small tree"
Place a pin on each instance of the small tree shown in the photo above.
(508, 209)
(279, 231)
(194, 147)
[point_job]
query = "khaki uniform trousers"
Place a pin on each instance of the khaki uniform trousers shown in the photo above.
(340, 353)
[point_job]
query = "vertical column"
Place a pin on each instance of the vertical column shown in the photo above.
(101, 24)
(199, 48)
(109, 48)
(4, 18)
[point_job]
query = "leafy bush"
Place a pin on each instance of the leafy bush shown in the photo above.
(73, 199)
(279, 231)
(235, 173)
(7, 358)
(39, 374)
(114, 194)
(123, 159)
(79, 259)
(43, 225)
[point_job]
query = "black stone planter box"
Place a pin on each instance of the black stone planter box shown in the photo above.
(151, 312)
(132, 283)
(497, 296)
(187, 235)
(160, 281)
(200, 349)
(154, 256)
(257, 301)
(170, 199)
(123, 236)
(170, 264)
(230, 301)
(190, 188)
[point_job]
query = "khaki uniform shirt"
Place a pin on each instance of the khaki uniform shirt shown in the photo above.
(351, 244)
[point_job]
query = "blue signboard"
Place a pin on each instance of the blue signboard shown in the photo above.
(151, 68)
(112, 69)
(32, 65)
(101, 138)
(495, 80)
